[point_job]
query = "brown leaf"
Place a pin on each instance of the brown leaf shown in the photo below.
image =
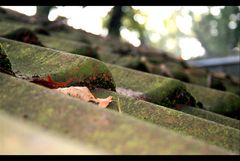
(84, 94)
(103, 102)
(50, 83)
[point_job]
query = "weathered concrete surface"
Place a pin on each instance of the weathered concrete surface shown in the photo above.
(166, 92)
(227, 121)
(216, 101)
(9, 26)
(107, 130)
(30, 60)
(79, 36)
(19, 137)
(68, 46)
(208, 131)
(84, 49)
(60, 44)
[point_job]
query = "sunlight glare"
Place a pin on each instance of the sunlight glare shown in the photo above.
(215, 11)
(191, 48)
(140, 19)
(154, 37)
(27, 10)
(184, 24)
(88, 18)
(130, 36)
(170, 44)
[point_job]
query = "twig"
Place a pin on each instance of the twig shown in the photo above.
(119, 108)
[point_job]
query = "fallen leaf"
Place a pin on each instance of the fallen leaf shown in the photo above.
(103, 102)
(49, 82)
(84, 94)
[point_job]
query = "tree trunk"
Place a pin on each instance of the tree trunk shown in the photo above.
(115, 21)
(42, 14)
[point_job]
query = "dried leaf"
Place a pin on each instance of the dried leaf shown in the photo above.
(50, 83)
(103, 102)
(84, 94)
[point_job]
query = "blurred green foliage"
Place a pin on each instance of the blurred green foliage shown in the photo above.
(218, 34)
(127, 20)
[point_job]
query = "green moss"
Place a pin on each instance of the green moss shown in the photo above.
(98, 81)
(86, 51)
(163, 91)
(23, 35)
(224, 103)
(212, 116)
(69, 46)
(5, 64)
(155, 61)
(174, 66)
(217, 84)
(42, 31)
(9, 26)
(132, 62)
(231, 87)
(211, 132)
(31, 60)
(169, 93)
(180, 75)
